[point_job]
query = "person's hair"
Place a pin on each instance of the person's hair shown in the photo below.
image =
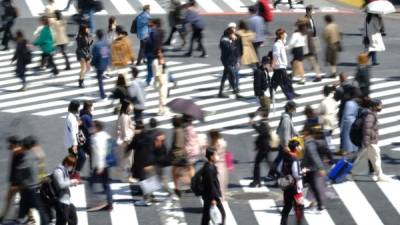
(135, 72)
(187, 119)
(328, 18)
(87, 105)
(69, 161)
(309, 111)
(121, 81)
(98, 125)
(210, 152)
(99, 34)
(373, 103)
(263, 112)
(362, 59)
(156, 22)
(111, 21)
(58, 15)
(252, 9)
(44, 20)
(192, 3)
(120, 30)
(124, 107)
(327, 90)
(290, 105)
(146, 7)
(243, 25)
(83, 30)
(342, 76)
(302, 28)
(153, 123)
(309, 8)
(29, 141)
(14, 140)
(279, 33)
(19, 34)
(293, 144)
(73, 106)
(214, 136)
(177, 122)
(139, 125)
(50, 1)
(229, 31)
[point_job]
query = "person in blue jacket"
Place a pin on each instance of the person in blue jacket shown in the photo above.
(142, 25)
(100, 59)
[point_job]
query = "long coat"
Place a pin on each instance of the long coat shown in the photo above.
(249, 55)
(373, 31)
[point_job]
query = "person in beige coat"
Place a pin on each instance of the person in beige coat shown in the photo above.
(373, 32)
(249, 56)
(60, 35)
(161, 82)
(331, 36)
(125, 133)
(328, 109)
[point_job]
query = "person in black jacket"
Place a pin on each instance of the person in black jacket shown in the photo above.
(230, 45)
(8, 18)
(262, 82)
(22, 56)
(212, 190)
(83, 43)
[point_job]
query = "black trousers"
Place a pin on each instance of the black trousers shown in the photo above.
(205, 220)
(279, 1)
(197, 36)
(173, 30)
(289, 202)
(137, 114)
(66, 214)
(50, 60)
(30, 198)
(280, 78)
(230, 74)
(140, 53)
(311, 177)
(261, 155)
(7, 35)
(100, 82)
(64, 54)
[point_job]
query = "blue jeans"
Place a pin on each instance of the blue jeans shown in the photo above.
(92, 23)
(101, 86)
(149, 77)
(104, 179)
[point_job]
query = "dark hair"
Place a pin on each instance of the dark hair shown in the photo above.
(293, 145)
(83, 30)
(121, 80)
(210, 152)
(98, 125)
(243, 25)
(124, 107)
(29, 141)
(177, 122)
(99, 34)
(139, 125)
(19, 34)
(278, 33)
(14, 140)
(153, 123)
(327, 90)
(58, 14)
(87, 105)
(44, 20)
(135, 72)
(120, 30)
(328, 18)
(214, 136)
(187, 119)
(69, 161)
(302, 28)
(111, 20)
(73, 106)
(309, 111)
(252, 9)
(290, 105)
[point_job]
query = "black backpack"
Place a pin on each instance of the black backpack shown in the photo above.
(134, 25)
(196, 183)
(49, 190)
(356, 130)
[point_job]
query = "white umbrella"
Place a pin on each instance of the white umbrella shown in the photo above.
(380, 7)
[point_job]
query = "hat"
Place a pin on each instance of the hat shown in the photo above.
(232, 25)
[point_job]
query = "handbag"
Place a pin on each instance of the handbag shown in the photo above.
(150, 185)
(215, 215)
(286, 182)
(229, 161)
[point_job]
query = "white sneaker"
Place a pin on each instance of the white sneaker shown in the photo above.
(384, 178)
(375, 178)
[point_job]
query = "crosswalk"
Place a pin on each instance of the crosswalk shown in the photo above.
(49, 96)
(33, 8)
(351, 203)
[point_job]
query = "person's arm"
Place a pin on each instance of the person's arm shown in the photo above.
(293, 40)
(95, 56)
(286, 131)
(62, 183)
(367, 128)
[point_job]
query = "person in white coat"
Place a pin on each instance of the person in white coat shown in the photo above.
(373, 32)
(161, 82)
(328, 109)
(59, 28)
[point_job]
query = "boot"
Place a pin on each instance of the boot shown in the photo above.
(81, 84)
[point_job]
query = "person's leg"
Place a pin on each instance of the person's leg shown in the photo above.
(100, 81)
(62, 212)
(374, 155)
(230, 72)
(82, 72)
(52, 64)
(290, 4)
(106, 185)
(312, 60)
(81, 159)
(38, 205)
(140, 53)
(200, 41)
(24, 203)
(313, 181)
(256, 171)
(189, 53)
(206, 212)
(299, 212)
(12, 191)
(288, 204)
(6, 37)
(221, 210)
(64, 54)
(237, 78)
(373, 58)
(72, 215)
(149, 76)
(171, 34)
(222, 84)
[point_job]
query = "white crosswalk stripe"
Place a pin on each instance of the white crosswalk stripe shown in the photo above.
(128, 7)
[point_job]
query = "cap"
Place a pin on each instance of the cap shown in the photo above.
(232, 25)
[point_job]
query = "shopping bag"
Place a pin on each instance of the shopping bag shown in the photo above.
(215, 215)
(150, 185)
(229, 161)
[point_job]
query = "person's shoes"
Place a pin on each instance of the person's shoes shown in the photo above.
(375, 64)
(222, 95)
(333, 75)
(142, 203)
(203, 55)
(188, 54)
(98, 207)
(317, 79)
(23, 88)
(175, 83)
(383, 178)
(81, 84)
(67, 68)
(296, 95)
(302, 81)
(238, 96)
(177, 193)
(255, 184)
(109, 207)
(106, 76)
(321, 208)
(132, 180)
(167, 43)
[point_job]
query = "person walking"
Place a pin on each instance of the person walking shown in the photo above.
(256, 25)
(373, 32)
(293, 194)
(161, 82)
(231, 51)
(86, 118)
(125, 132)
(363, 75)
(350, 112)
(249, 55)
(212, 190)
(153, 44)
(298, 46)
(142, 27)
(59, 27)
(261, 82)
(45, 42)
(23, 56)
(121, 50)
(197, 23)
(100, 170)
(137, 95)
(120, 92)
(343, 93)
(65, 210)
(312, 43)
(112, 29)
(191, 144)
(370, 138)
(100, 59)
(175, 22)
(276, 2)
(8, 20)
(332, 37)
(279, 62)
(218, 143)
(71, 128)
(83, 43)
(327, 112)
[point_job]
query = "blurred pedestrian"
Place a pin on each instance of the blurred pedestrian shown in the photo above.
(100, 172)
(8, 20)
(276, 2)
(86, 119)
(373, 32)
(124, 132)
(59, 27)
(261, 82)
(249, 56)
(256, 25)
(343, 93)
(83, 43)
(50, 9)
(327, 111)
(332, 37)
(137, 95)
(142, 24)
(100, 59)
(197, 24)
(280, 63)
(120, 91)
(192, 144)
(312, 43)
(298, 46)
(112, 29)
(218, 143)
(23, 56)
(363, 75)
(265, 11)
(153, 44)
(161, 82)
(45, 42)
(121, 50)
(212, 190)
(177, 154)
(175, 17)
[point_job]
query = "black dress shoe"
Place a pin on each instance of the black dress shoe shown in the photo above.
(297, 95)
(222, 95)
(188, 54)
(317, 79)
(203, 55)
(255, 184)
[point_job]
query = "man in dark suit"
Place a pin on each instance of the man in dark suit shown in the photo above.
(313, 43)
(262, 81)
(212, 191)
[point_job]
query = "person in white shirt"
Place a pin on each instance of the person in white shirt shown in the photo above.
(100, 140)
(328, 114)
(298, 46)
(279, 63)
(71, 128)
(161, 82)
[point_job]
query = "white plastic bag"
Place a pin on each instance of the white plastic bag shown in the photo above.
(215, 215)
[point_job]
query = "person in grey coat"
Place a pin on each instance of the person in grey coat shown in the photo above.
(137, 95)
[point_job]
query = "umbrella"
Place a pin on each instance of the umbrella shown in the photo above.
(380, 7)
(186, 106)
